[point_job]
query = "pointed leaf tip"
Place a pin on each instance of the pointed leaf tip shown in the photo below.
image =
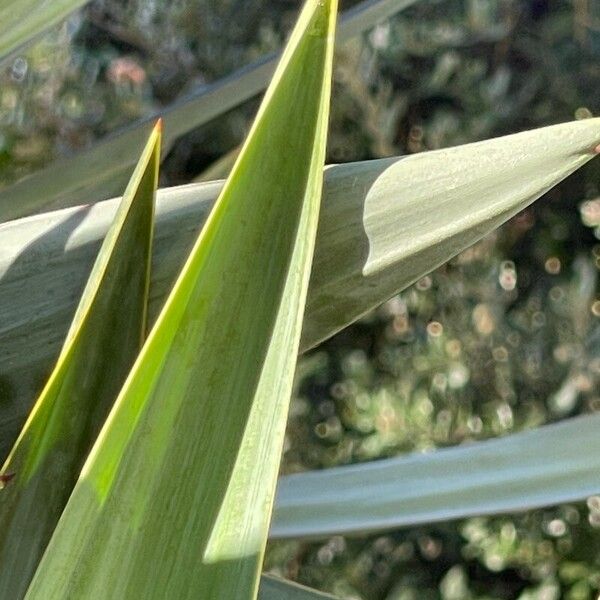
(104, 339)
(159, 420)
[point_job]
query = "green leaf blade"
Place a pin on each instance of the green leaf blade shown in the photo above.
(339, 290)
(102, 343)
(545, 466)
(24, 20)
(175, 498)
(103, 169)
(275, 588)
(387, 223)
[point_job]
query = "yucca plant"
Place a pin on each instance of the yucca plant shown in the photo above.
(147, 466)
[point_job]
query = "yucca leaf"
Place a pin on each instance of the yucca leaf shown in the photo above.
(545, 466)
(274, 588)
(23, 20)
(174, 500)
(101, 171)
(101, 346)
(410, 216)
(221, 168)
(450, 208)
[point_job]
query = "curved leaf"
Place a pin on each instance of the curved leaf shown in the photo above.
(545, 466)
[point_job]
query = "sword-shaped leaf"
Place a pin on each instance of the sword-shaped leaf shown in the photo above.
(24, 20)
(384, 224)
(174, 500)
(101, 346)
(274, 588)
(545, 466)
(101, 171)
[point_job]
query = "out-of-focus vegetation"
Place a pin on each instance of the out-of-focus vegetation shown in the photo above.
(505, 337)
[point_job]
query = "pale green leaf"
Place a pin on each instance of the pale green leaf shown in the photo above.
(101, 171)
(21, 21)
(101, 346)
(545, 466)
(174, 500)
(274, 588)
(428, 206)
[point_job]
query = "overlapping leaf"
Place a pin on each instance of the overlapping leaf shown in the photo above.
(21, 21)
(174, 500)
(384, 224)
(101, 346)
(101, 171)
(273, 588)
(545, 466)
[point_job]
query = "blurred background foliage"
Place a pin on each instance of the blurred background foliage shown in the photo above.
(504, 337)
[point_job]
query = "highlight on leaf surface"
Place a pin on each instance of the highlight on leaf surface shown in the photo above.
(101, 346)
(174, 500)
(396, 218)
